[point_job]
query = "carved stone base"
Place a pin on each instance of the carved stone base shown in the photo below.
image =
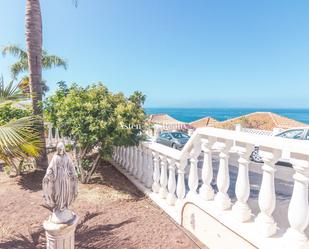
(295, 239)
(241, 211)
(266, 225)
(206, 193)
(60, 236)
(222, 201)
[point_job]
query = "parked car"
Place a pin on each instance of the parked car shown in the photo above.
(301, 133)
(174, 139)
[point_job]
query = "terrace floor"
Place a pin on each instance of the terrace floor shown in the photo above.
(112, 212)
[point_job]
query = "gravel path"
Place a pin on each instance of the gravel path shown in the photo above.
(113, 214)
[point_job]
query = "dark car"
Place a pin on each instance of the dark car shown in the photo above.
(174, 139)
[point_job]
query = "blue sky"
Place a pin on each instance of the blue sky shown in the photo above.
(200, 53)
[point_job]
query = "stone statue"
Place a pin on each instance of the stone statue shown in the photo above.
(60, 186)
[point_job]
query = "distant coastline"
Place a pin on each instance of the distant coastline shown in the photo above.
(221, 114)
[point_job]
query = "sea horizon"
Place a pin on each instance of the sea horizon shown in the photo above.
(189, 114)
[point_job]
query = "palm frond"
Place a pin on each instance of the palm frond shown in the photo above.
(19, 139)
(19, 67)
(16, 51)
(50, 61)
(10, 92)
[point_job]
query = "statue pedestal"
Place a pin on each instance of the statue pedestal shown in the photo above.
(60, 236)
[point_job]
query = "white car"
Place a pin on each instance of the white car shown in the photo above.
(300, 133)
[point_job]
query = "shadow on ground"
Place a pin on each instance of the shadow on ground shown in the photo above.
(31, 181)
(106, 175)
(86, 236)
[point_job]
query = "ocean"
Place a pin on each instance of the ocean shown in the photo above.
(221, 114)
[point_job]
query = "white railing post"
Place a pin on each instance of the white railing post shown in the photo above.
(57, 136)
(140, 172)
(149, 168)
(193, 174)
(267, 196)
(241, 208)
(50, 134)
(181, 188)
(206, 191)
(136, 158)
(130, 159)
(125, 164)
(171, 185)
(163, 177)
(156, 172)
(298, 212)
(121, 156)
(222, 199)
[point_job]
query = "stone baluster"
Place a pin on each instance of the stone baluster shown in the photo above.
(117, 154)
(193, 174)
(181, 187)
(121, 156)
(128, 158)
(149, 169)
(145, 166)
(222, 199)
(171, 185)
(241, 208)
(125, 164)
(50, 135)
(131, 159)
(206, 191)
(140, 164)
(57, 136)
(156, 172)
(267, 196)
(298, 212)
(163, 177)
(135, 170)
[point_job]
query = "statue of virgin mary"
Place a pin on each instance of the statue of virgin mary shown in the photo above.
(60, 186)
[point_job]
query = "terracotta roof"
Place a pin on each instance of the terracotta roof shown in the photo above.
(163, 119)
(204, 122)
(260, 120)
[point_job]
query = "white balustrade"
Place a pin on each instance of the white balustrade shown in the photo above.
(171, 185)
(136, 162)
(193, 174)
(298, 213)
(181, 188)
(222, 199)
(156, 172)
(242, 188)
(267, 196)
(206, 190)
(163, 177)
(164, 170)
(140, 164)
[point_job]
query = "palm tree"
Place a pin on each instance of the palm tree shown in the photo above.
(18, 139)
(48, 62)
(33, 25)
(34, 51)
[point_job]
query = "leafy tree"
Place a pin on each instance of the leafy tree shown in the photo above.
(9, 112)
(97, 120)
(19, 139)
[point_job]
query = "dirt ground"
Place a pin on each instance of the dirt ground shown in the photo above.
(112, 212)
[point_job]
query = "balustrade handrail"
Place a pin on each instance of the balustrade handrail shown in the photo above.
(277, 143)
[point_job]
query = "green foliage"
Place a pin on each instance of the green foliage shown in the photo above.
(9, 112)
(97, 119)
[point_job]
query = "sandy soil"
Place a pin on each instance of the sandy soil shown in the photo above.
(113, 214)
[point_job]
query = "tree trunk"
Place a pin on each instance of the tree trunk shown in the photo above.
(34, 51)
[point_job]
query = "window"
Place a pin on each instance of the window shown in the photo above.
(294, 134)
(179, 135)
